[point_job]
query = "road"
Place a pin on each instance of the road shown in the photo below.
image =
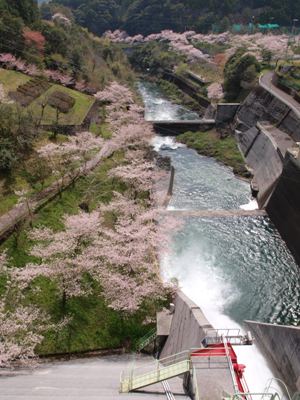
(265, 81)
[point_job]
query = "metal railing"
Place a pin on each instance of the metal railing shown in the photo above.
(275, 389)
(195, 386)
(279, 387)
(161, 373)
(147, 339)
(234, 336)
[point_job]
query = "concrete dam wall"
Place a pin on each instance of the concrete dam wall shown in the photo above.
(265, 129)
(281, 345)
(264, 160)
(284, 205)
(187, 327)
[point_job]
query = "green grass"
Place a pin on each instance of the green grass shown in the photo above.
(101, 129)
(75, 116)
(223, 150)
(7, 202)
(11, 80)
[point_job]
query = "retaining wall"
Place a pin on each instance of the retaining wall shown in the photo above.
(226, 112)
(281, 345)
(186, 87)
(284, 205)
(187, 328)
(264, 160)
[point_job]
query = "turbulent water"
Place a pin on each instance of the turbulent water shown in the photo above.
(233, 268)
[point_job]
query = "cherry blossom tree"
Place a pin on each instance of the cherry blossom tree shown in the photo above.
(21, 327)
(21, 330)
(61, 255)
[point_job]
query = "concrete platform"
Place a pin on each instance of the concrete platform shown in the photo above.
(213, 377)
(85, 379)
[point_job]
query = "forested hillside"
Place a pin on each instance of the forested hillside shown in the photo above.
(61, 46)
(148, 16)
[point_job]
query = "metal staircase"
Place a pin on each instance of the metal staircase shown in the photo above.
(159, 371)
(145, 340)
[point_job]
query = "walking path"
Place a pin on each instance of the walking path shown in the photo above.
(265, 81)
(21, 211)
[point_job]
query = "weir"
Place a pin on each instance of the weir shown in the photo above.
(174, 128)
(216, 213)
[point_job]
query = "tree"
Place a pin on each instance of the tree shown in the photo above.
(21, 327)
(240, 67)
(11, 33)
(61, 255)
(17, 132)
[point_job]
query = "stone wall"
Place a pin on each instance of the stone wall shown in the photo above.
(187, 328)
(284, 205)
(187, 87)
(226, 112)
(281, 345)
(260, 105)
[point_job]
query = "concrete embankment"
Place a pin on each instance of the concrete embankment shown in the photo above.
(187, 87)
(266, 127)
(284, 205)
(188, 326)
(264, 160)
(281, 345)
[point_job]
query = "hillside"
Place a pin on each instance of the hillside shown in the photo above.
(148, 16)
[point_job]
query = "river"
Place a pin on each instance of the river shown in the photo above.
(233, 268)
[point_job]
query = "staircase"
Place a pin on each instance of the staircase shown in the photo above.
(159, 371)
(145, 340)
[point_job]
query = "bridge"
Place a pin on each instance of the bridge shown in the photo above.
(175, 127)
(216, 213)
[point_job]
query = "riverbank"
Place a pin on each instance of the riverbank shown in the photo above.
(171, 92)
(224, 150)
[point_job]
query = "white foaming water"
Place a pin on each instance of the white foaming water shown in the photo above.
(165, 142)
(252, 205)
(203, 283)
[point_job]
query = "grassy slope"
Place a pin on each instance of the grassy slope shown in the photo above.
(11, 80)
(74, 117)
(93, 325)
(210, 144)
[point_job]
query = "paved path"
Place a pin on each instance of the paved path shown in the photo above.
(217, 213)
(20, 212)
(86, 379)
(265, 81)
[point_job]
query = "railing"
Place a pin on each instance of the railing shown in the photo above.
(280, 387)
(195, 385)
(161, 373)
(145, 340)
(275, 389)
(259, 396)
(233, 336)
(166, 361)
